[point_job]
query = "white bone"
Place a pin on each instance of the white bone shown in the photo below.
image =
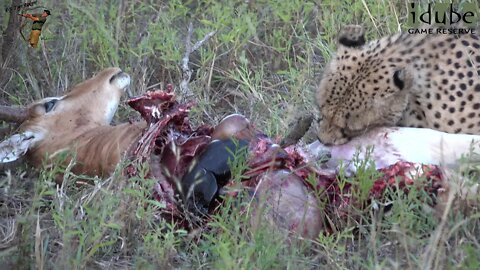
(394, 144)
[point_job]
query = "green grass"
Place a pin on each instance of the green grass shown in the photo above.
(264, 62)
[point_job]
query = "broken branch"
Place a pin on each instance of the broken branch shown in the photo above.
(186, 71)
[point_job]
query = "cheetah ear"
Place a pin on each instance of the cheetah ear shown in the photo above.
(352, 36)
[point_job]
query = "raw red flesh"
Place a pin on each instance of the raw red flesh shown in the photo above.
(170, 145)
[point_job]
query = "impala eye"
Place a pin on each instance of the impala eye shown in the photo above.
(49, 105)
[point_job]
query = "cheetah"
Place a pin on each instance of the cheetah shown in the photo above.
(409, 80)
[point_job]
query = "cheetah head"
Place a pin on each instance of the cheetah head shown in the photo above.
(360, 88)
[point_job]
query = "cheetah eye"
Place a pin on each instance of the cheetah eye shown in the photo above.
(399, 78)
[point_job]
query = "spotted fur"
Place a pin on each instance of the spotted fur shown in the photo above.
(411, 80)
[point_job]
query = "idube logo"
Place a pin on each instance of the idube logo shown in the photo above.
(446, 18)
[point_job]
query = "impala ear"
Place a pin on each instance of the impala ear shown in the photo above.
(16, 146)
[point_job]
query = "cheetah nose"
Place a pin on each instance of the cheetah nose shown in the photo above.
(323, 142)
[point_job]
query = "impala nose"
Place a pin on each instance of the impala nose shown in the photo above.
(121, 80)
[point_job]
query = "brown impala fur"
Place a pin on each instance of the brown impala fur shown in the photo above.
(79, 123)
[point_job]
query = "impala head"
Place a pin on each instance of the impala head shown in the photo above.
(51, 124)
